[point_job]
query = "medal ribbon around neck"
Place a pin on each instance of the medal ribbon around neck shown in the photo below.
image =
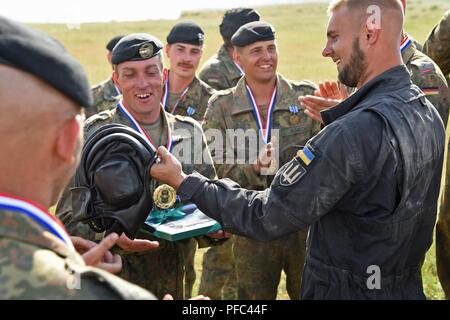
(239, 67)
(264, 127)
(405, 43)
(138, 128)
(165, 99)
(118, 93)
(40, 215)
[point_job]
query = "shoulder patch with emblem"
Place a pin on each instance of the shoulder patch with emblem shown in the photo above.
(306, 155)
(297, 168)
(292, 173)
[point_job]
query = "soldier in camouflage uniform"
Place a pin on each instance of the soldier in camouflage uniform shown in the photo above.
(139, 74)
(437, 47)
(106, 93)
(186, 95)
(38, 259)
(428, 77)
(259, 265)
(220, 71)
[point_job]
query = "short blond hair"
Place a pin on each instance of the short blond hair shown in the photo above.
(363, 4)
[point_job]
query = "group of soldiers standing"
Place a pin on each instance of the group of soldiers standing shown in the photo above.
(237, 88)
(242, 268)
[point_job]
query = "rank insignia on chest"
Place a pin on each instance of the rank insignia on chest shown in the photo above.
(190, 110)
(294, 119)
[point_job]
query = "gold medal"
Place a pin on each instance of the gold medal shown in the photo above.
(295, 119)
(164, 196)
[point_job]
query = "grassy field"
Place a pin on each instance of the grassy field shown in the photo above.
(300, 35)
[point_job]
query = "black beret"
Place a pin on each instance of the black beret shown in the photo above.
(34, 52)
(135, 47)
(186, 32)
(112, 43)
(233, 19)
(253, 32)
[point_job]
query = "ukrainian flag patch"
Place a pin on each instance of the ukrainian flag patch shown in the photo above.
(306, 155)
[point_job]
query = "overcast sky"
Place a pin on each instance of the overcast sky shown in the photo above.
(79, 11)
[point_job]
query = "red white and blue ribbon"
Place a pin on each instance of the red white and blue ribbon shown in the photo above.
(239, 67)
(138, 128)
(118, 93)
(405, 43)
(39, 215)
(165, 99)
(264, 127)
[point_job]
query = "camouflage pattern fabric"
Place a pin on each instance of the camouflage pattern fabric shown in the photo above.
(160, 271)
(106, 95)
(231, 109)
(218, 280)
(35, 264)
(437, 45)
(429, 78)
(195, 102)
(193, 105)
(220, 72)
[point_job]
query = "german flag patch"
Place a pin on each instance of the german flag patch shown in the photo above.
(430, 91)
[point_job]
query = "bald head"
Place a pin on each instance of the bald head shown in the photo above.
(29, 104)
(39, 133)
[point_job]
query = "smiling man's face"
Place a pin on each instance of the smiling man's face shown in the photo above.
(343, 46)
(141, 84)
(259, 60)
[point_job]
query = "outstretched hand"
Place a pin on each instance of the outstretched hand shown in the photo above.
(327, 96)
(136, 245)
(168, 170)
(98, 255)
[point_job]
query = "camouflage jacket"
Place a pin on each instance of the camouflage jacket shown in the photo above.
(35, 264)
(232, 109)
(428, 77)
(195, 102)
(185, 131)
(106, 95)
(437, 45)
(443, 227)
(220, 72)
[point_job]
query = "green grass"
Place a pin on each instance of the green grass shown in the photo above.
(300, 36)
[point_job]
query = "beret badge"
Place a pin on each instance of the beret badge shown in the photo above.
(146, 50)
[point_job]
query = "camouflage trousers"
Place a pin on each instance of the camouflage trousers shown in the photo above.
(443, 226)
(259, 265)
(189, 247)
(160, 271)
(218, 280)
